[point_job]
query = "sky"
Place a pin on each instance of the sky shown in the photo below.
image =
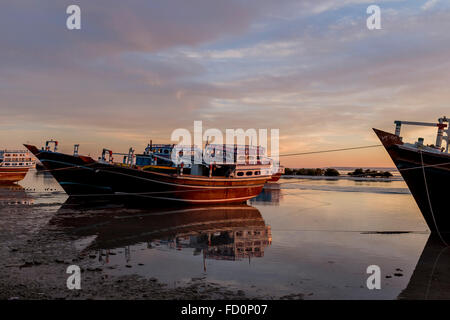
(137, 70)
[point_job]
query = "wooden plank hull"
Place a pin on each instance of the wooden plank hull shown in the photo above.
(84, 176)
(10, 175)
(427, 175)
(275, 177)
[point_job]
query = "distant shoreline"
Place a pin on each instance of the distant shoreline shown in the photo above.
(342, 177)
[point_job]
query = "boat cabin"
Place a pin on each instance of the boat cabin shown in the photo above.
(15, 158)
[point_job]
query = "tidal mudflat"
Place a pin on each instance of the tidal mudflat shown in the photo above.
(300, 239)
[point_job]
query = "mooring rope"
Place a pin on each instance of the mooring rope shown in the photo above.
(331, 150)
(427, 166)
(429, 200)
(430, 279)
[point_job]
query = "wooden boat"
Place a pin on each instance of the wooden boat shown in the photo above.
(426, 171)
(204, 184)
(14, 165)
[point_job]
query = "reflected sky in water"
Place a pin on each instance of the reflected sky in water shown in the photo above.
(310, 237)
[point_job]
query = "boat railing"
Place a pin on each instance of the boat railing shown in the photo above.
(441, 125)
(14, 151)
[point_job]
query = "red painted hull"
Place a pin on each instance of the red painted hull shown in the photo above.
(275, 177)
(9, 175)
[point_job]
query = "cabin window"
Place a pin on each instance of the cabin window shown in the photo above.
(240, 174)
(21, 164)
(249, 173)
(257, 173)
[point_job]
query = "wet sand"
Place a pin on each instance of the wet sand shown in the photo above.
(298, 240)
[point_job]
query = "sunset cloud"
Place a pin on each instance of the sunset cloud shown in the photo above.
(139, 69)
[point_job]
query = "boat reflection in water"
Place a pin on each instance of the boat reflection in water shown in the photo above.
(269, 196)
(12, 194)
(227, 232)
(431, 277)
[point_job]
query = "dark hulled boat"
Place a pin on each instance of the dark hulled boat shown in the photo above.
(426, 171)
(83, 176)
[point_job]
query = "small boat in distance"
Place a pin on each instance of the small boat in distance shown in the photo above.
(202, 183)
(14, 165)
(426, 171)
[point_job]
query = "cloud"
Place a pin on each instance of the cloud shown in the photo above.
(429, 4)
(140, 69)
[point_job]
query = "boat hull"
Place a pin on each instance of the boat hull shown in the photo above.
(83, 176)
(10, 175)
(275, 177)
(427, 175)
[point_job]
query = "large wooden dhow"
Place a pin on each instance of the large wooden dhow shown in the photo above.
(200, 184)
(426, 171)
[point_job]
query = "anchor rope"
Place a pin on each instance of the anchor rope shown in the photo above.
(430, 279)
(429, 200)
(331, 150)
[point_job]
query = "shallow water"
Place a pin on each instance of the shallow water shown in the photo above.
(312, 239)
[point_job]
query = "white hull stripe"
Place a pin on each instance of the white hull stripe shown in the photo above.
(202, 201)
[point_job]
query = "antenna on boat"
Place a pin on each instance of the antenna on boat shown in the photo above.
(47, 147)
(109, 152)
(447, 137)
(130, 157)
(440, 133)
(75, 149)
